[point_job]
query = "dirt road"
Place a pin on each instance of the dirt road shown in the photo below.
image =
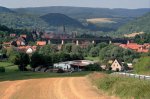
(50, 88)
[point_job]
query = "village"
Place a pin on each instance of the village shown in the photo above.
(20, 44)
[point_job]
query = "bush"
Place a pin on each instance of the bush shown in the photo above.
(2, 69)
(93, 67)
(60, 71)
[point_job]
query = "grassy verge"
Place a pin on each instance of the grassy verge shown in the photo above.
(9, 76)
(126, 88)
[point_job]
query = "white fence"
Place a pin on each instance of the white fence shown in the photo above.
(143, 77)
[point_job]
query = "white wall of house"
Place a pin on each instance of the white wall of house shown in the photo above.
(29, 51)
(115, 65)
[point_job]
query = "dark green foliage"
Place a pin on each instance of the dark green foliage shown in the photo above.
(94, 52)
(141, 24)
(57, 19)
(20, 59)
(2, 69)
(93, 67)
(16, 20)
(76, 56)
(47, 49)
(67, 48)
(144, 38)
(115, 52)
(60, 71)
(37, 60)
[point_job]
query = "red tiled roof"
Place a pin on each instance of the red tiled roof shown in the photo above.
(41, 43)
(25, 36)
(134, 46)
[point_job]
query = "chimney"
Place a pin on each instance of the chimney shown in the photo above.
(128, 42)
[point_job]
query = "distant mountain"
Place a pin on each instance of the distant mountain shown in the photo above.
(141, 24)
(84, 12)
(57, 19)
(5, 10)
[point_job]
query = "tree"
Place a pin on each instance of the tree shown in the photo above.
(93, 67)
(67, 48)
(20, 59)
(76, 49)
(94, 52)
(37, 60)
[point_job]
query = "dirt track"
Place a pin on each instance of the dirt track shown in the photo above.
(50, 88)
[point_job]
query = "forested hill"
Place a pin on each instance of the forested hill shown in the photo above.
(57, 19)
(141, 24)
(15, 20)
(84, 12)
(5, 10)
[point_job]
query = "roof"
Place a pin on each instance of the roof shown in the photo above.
(23, 35)
(119, 61)
(137, 47)
(41, 43)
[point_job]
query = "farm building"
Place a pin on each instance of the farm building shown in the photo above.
(77, 65)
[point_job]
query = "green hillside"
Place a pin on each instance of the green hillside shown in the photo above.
(15, 20)
(5, 10)
(137, 25)
(57, 19)
(84, 12)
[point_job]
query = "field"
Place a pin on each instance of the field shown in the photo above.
(133, 34)
(51, 88)
(101, 20)
(12, 73)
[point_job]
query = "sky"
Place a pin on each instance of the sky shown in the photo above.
(130, 4)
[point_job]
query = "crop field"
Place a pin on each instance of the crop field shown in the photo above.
(101, 20)
(51, 88)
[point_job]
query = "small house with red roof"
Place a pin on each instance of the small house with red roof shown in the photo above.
(41, 43)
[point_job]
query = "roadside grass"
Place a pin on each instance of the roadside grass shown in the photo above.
(17, 75)
(143, 66)
(125, 88)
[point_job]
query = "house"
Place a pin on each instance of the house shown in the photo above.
(117, 65)
(12, 35)
(29, 51)
(41, 43)
(136, 47)
(23, 35)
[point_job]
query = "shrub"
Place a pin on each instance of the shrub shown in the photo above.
(93, 67)
(60, 71)
(2, 69)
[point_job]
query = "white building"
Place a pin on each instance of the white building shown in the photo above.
(73, 65)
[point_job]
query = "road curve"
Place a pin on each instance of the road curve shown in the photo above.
(50, 88)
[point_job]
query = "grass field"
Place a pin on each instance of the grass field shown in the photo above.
(100, 20)
(12, 73)
(125, 88)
